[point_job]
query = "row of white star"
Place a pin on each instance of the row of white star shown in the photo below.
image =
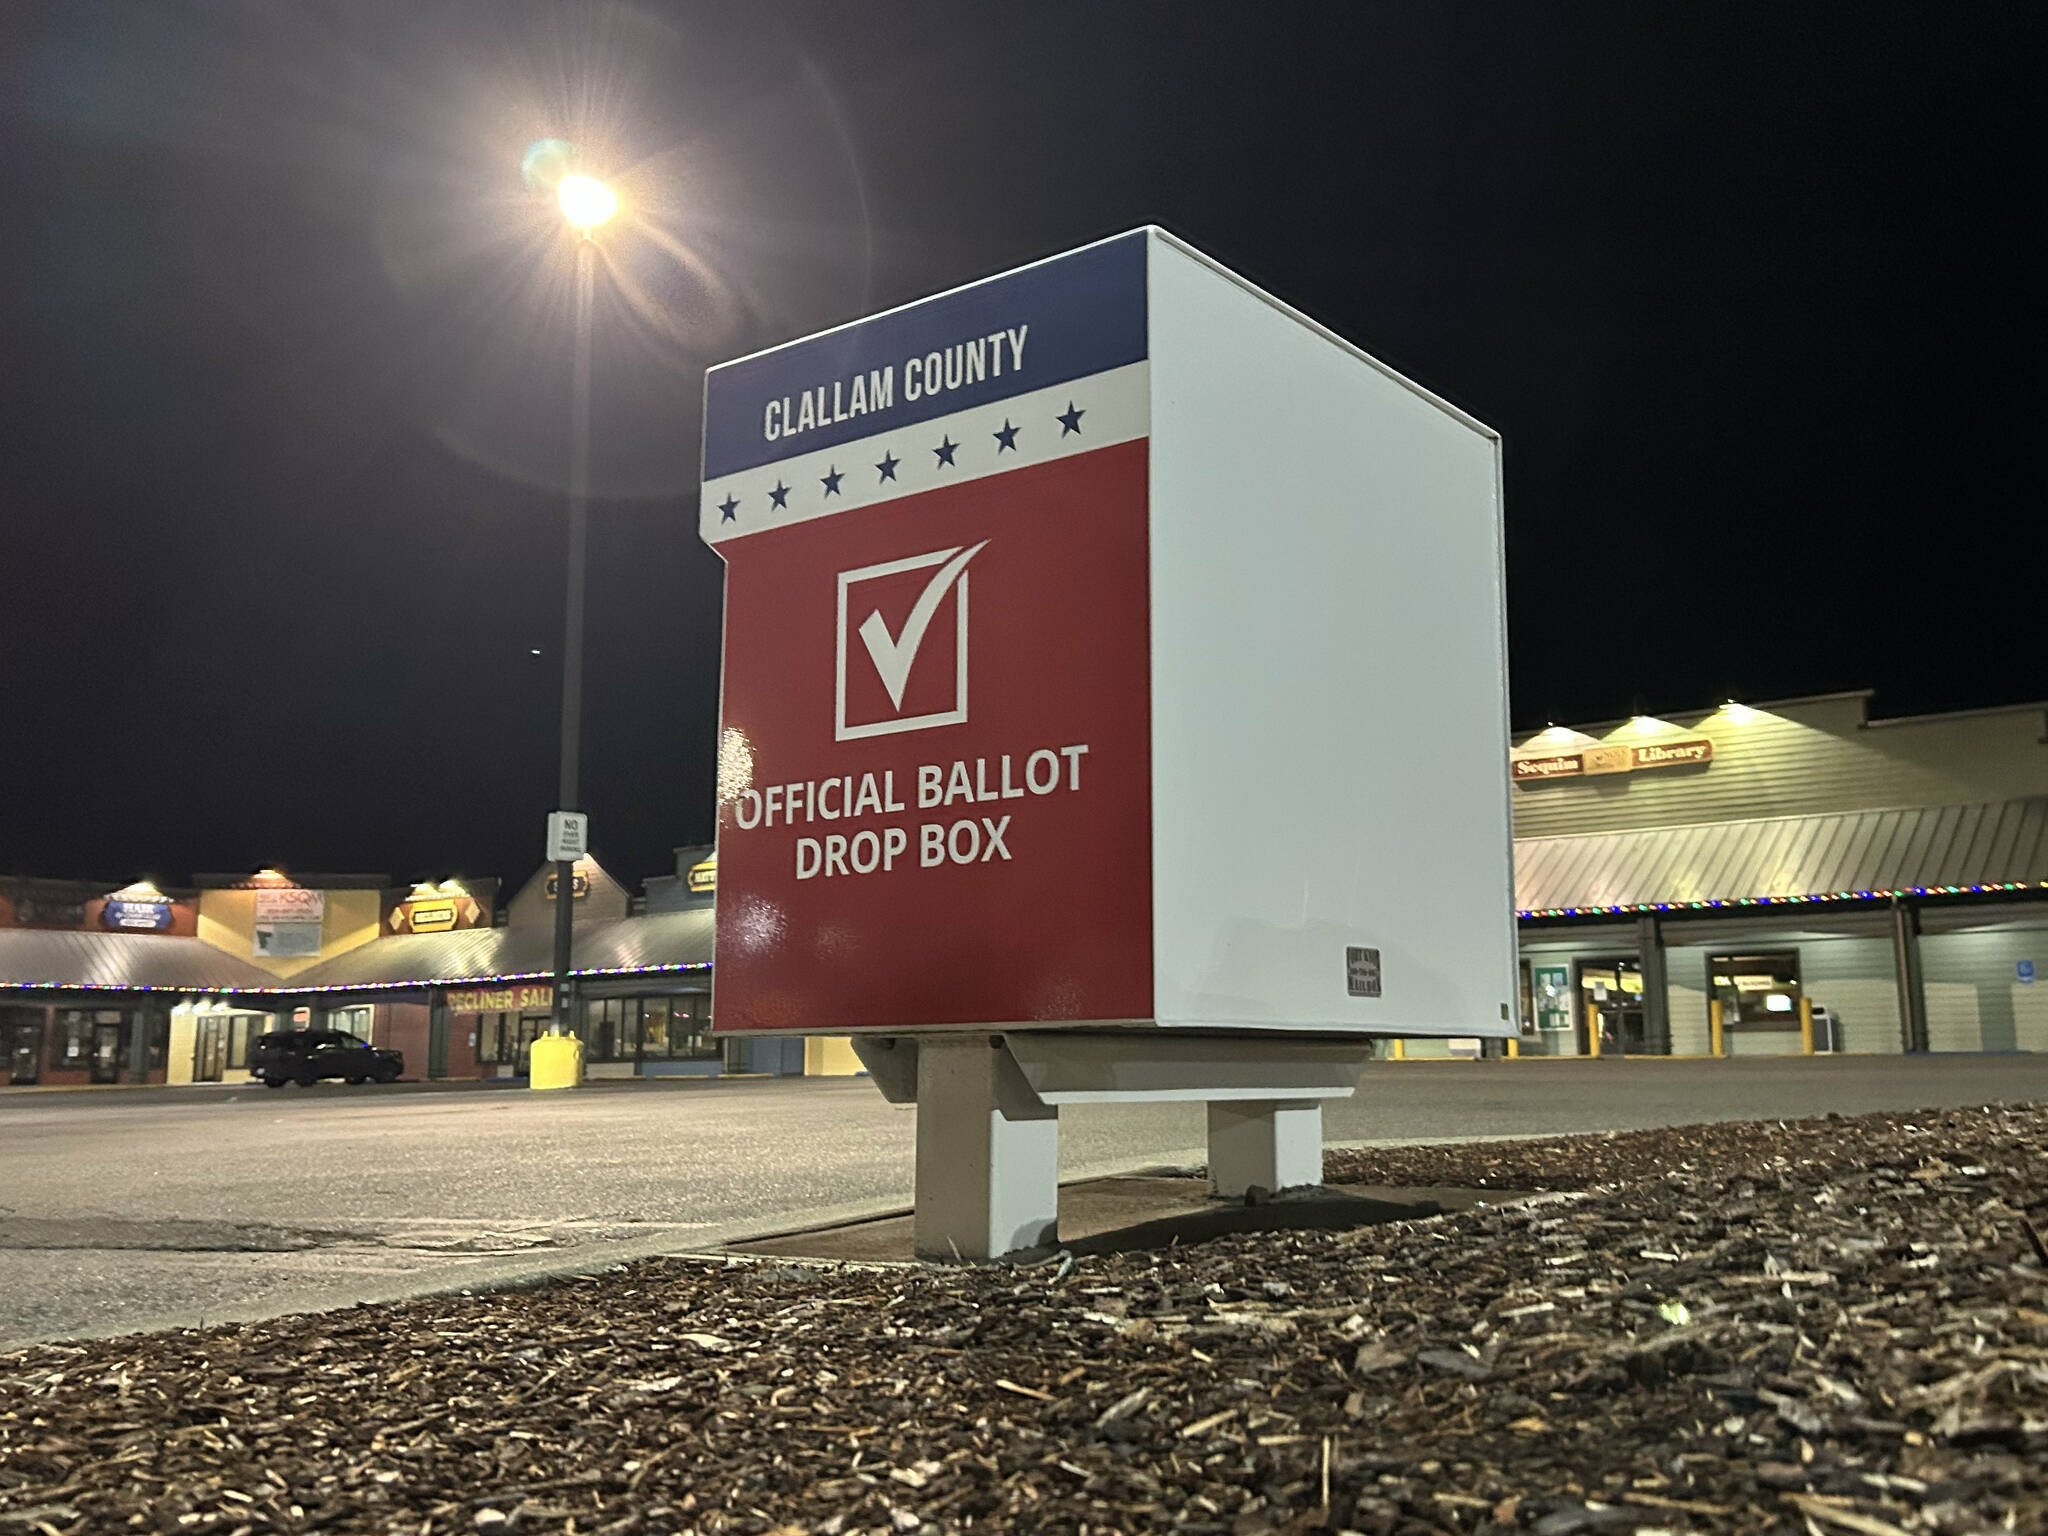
(1005, 439)
(1031, 429)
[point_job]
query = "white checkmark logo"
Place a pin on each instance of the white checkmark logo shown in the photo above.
(894, 655)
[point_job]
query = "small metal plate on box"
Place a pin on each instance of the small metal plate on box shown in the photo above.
(1361, 971)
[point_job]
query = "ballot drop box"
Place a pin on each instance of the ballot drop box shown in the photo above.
(1114, 707)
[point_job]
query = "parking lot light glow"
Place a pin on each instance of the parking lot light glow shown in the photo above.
(586, 202)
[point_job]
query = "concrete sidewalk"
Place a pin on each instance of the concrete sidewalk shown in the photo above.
(132, 1209)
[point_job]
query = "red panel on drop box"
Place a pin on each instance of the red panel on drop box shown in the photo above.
(935, 763)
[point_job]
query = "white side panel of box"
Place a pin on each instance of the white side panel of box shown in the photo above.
(1329, 722)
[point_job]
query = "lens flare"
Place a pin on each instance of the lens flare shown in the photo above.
(545, 163)
(586, 202)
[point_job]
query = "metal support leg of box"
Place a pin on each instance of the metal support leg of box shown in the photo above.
(988, 1153)
(988, 1107)
(1265, 1143)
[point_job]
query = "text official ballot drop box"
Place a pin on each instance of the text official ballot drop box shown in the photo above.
(1114, 706)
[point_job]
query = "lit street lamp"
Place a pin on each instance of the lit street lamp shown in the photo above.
(585, 203)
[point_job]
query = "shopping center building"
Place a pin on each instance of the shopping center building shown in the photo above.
(1765, 880)
(1740, 880)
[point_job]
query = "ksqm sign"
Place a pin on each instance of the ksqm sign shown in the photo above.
(290, 904)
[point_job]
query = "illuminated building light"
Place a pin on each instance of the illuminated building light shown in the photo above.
(1555, 735)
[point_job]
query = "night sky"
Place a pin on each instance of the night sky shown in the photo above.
(286, 356)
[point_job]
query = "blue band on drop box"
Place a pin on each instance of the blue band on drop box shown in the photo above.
(1075, 315)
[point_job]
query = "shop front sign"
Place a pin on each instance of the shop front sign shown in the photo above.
(1589, 762)
(579, 885)
(288, 920)
(135, 916)
(438, 914)
(519, 999)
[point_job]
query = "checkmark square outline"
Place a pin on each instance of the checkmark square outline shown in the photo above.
(903, 649)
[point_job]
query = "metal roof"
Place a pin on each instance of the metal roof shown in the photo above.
(1855, 855)
(1859, 855)
(666, 941)
(34, 957)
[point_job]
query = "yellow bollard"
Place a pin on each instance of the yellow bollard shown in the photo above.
(1805, 1026)
(1397, 1050)
(1593, 1032)
(1715, 1044)
(1514, 1048)
(557, 1062)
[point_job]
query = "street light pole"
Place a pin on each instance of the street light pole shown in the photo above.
(572, 635)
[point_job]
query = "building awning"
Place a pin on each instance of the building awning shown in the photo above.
(121, 962)
(629, 946)
(1944, 850)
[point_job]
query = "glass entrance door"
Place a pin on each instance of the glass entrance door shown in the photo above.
(209, 1048)
(1611, 1004)
(437, 1040)
(531, 1027)
(106, 1053)
(21, 1038)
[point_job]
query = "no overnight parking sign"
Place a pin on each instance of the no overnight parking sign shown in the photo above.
(935, 775)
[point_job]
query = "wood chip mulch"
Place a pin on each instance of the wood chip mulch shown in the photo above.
(1582, 1162)
(1839, 1332)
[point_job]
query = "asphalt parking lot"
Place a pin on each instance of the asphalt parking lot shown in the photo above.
(145, 1208)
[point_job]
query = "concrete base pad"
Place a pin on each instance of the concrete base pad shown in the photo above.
(1141, 1211)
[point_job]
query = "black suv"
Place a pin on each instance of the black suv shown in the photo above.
(304, 1056)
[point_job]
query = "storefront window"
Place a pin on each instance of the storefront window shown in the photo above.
(677, 1028)
(503, 1039)
(242, 1028)
(72, 1047)
(96, 1040)
(1757, 992)
(21, 1044)
(351, 1021)
(654, 1025)
(611, 1028)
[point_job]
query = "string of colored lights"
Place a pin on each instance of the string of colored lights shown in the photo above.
(1617, 909)
(351, 986)
(1730, 902)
